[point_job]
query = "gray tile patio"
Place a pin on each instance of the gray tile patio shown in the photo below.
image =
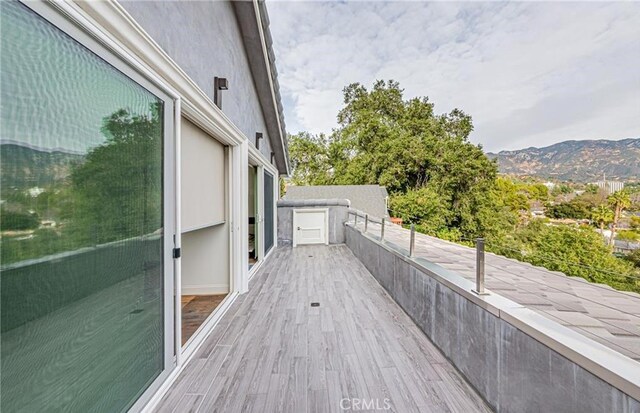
(273, 352)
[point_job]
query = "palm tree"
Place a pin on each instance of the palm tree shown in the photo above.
(619, 201)
(602, 215)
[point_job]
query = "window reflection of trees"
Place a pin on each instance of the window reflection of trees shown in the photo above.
(113, 194)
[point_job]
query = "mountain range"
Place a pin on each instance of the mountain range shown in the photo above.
(578, 161)
(23, 167)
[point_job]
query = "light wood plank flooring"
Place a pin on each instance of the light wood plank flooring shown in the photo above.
(274, 352)
(195, 311)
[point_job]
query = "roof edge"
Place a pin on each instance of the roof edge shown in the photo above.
(253, 20)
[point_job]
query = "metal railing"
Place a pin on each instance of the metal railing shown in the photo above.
(480, 244)
(480, 267)
(412, 241)
(550, 263)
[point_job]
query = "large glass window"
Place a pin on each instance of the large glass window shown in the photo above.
(82, 322)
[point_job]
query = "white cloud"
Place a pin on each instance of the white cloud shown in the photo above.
(530, 74)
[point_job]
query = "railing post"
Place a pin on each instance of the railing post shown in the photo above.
(412, 241)
(382, 231)
(480, 267)
(355, 220)
(366, 222)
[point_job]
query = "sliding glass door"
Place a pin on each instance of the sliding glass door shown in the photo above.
(269, 203)
(84, 220)
(254, 216)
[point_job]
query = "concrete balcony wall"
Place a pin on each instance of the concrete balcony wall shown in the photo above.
(338, 212)
(516, 359)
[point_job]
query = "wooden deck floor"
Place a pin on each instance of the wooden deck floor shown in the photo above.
(273, 352)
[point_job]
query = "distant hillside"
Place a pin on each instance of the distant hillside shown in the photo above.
(579, 161)
(24, 167)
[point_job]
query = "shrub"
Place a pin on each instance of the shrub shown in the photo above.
(17, 221)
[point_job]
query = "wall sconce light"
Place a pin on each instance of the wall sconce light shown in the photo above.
(273, 157)
(258, 139)
(219, 83)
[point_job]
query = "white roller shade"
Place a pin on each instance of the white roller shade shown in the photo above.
(203, 178)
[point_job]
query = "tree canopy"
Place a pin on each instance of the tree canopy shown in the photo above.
(113, 193)
(578, 252)
(416, 154)
(602, 216)
(118, 189)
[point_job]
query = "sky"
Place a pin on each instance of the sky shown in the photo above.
(529, 73)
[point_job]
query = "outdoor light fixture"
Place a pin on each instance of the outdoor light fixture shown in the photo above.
(258, 138)
(219, 83)
(273, 156)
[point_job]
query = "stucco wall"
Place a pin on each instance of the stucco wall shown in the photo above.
(204, 39)
(511, 370)
(338, 213)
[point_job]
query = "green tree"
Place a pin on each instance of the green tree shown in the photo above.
(538, 192)
(561, 189)
(619, 201)
(574, 209)
(114, 194)
(118, 189)
(574, 251)
(424, 207)
(283, 186)
(592, 189)
(18, 220)
(513, 196)
(404, 146)
(602, 216)
(634, 258)
(309, 159)
(593, 200)
(628, 235)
